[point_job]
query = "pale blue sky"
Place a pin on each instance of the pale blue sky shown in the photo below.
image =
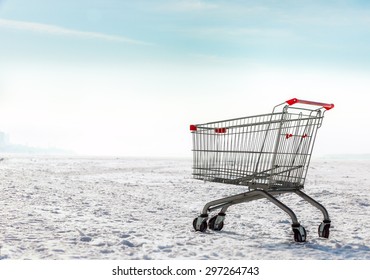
(128, 77)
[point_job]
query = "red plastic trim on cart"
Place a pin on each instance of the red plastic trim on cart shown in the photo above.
(220, 130)
(293, 101)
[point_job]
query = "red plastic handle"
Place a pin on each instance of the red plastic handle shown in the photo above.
(327, 106)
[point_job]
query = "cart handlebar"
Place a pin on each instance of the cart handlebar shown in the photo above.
(293, 101)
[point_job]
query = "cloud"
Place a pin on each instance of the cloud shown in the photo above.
(189, 5)
(244, 31)
(57, 30)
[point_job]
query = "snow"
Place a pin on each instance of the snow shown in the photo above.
(136, 208)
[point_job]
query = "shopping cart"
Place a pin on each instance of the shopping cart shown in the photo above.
(269, 154)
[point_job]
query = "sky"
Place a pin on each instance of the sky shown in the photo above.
(127, 78)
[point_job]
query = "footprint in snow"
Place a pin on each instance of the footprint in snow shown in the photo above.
(127, 243)
(84, 237)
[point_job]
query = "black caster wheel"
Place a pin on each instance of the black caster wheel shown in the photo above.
(324, 229)
(299, 234)
(202, 226)
(217, 222)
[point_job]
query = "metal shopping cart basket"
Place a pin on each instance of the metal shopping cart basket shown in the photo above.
(269, 154)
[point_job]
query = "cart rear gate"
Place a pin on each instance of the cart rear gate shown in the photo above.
(269, 154)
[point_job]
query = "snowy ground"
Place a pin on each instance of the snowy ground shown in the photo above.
(96, 208)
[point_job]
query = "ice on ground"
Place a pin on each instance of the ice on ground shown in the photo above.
(120, 208)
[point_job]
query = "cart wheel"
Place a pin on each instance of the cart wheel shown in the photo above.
(324, 229)
(216, 226)
(299, 234)
(202, 227)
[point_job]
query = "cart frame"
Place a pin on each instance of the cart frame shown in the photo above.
(269, 154)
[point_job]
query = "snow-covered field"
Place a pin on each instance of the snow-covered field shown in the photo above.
(122, 208)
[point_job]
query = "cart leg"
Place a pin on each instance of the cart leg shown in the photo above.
(298, 230)
(257, 194)
(230, 200)
(324, 227)
(216, 222)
